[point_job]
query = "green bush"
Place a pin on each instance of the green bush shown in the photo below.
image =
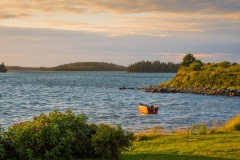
(63, 136)
(109, 142)
(196, 65)
(224, 64)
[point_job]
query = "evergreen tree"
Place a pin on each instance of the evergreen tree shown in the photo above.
(3, 68)
(153, 67)
(187, 60)
(190, 61)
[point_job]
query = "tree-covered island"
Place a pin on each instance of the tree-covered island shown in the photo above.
(195, 77)
(78, 66)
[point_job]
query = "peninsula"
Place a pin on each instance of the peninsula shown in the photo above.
(195, 77)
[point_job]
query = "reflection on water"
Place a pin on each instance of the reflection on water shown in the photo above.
(97, 95)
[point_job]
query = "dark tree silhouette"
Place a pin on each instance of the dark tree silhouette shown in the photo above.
(187, 60)
(3, 68)
(154, 67)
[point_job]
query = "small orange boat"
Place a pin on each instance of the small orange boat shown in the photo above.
(147, 109)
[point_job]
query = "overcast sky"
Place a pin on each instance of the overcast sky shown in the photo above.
(53, 32)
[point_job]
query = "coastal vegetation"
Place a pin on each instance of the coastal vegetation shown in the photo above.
(153, 67)
(195, 77)
(3, 68)
(63, 136)
(78, 66)
(69, 136)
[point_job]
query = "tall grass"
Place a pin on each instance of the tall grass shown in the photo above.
(233, 124)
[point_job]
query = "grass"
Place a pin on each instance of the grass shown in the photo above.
(222, 144)
(225, 145)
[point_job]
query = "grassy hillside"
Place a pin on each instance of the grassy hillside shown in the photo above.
(79, 66)
(212, 75)
(209, 79)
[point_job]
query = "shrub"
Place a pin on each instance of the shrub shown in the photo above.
(233, 124)
(196, 65)
(199, 129)
(63, 136)
(109, 142)
(224, 64)
(55, 136)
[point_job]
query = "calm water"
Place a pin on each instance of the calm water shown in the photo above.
(96, 94)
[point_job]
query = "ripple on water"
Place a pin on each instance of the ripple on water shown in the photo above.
(96, 95)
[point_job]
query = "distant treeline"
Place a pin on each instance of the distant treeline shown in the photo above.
(143, 66)
(154, 67)
(79, 66)
(90, 66)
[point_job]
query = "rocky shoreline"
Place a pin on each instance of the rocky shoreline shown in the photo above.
(192, 90)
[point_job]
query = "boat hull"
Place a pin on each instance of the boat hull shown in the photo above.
(147, 110)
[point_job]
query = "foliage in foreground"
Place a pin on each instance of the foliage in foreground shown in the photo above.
(193, 73)
(233, 124)
(63, 136)
(217, 146)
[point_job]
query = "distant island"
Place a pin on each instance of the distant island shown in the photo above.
(3, 68)
(195, 77)
(153, 67)
(143, 67)
(78, 66)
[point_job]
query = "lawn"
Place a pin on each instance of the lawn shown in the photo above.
(217, 146)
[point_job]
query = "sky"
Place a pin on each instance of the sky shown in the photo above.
(48, 33)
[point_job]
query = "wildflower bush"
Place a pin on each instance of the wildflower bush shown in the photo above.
(65, 136)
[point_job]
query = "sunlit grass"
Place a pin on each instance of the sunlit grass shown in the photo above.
(233, 124)
(213, 146)
(194, 143)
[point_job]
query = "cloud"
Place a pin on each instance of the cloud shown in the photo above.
(65, 31)
(125, 6)
(4, 15)
(158, 18)
(51, 47)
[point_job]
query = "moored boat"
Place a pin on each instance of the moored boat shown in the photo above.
(147, 109)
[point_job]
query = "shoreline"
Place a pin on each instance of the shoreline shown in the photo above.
(192, 90)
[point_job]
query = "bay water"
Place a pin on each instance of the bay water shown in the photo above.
(24, 95)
